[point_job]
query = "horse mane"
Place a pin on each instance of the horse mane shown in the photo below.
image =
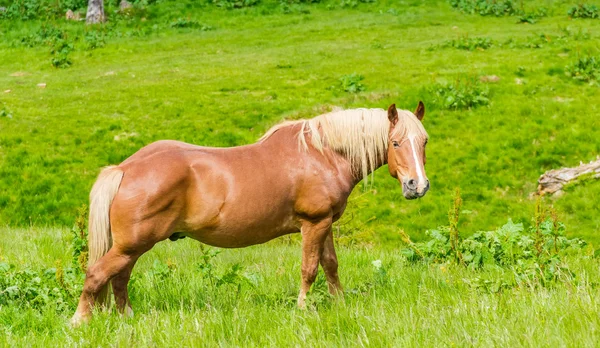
(360, 135)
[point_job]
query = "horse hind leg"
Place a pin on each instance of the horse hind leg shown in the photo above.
(119, 286)
(96, 280)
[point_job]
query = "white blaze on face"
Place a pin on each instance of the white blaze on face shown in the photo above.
(418, 164)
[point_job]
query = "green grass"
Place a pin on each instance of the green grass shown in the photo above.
(226, 86)
(410, 305)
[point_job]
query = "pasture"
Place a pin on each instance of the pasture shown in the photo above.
(507, 98)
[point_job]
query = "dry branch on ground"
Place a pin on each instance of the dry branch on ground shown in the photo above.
(552, 181)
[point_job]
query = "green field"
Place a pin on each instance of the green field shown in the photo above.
(200, 73)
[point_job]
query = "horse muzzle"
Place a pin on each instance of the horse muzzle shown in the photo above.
(411, 188)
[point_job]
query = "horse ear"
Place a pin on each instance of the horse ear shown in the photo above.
(420, 112)
(393, 114)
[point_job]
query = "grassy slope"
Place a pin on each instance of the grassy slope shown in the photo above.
(413, 305)
(226, 87)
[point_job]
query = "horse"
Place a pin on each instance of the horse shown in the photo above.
(296, 178)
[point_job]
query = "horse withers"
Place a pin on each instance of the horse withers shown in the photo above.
(296, 178)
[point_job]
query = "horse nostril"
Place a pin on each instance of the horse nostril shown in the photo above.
(427, 185)
(412, 184)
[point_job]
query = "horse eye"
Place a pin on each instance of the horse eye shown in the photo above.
(395, 143)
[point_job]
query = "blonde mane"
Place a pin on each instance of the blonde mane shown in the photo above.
(360, 135)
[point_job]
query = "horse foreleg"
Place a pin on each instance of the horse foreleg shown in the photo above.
(329, 263)
(313, 238)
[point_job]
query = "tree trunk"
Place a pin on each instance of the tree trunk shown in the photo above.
(95, 12)
(553, 181)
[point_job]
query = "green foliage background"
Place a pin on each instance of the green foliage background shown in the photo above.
(227, 77)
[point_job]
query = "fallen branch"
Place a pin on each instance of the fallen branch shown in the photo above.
(553, 181)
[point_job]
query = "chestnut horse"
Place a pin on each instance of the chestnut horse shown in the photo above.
(296, 178)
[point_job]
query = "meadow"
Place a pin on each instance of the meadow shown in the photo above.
(510, 92)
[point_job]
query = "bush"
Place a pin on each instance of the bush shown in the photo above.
(585, 69)
(584, 11)
(31, 9)
(463, 94)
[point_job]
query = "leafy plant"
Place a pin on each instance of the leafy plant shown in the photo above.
(585, 69)
(232, 4)
(94, 39)
(4, 111)
(584, 11)
(496, 8)
(462, 94)
(533, 256)
(189, 23)
(60, 53)
(470, 44)
(352, 83)
(80, 241)
(46, 35)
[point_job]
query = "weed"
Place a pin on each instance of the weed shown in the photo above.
(46, 35)
(94, 39)
(352, 83)
(462, 94)
(464, 42)
(4, 111)
(585, 69)
(233, 4)
(584, 11)
(496, 8)
(190, 23)
(534, 257)
(60, 53)
(80, 240)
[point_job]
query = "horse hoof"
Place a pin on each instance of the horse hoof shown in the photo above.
(128, 312)
(78, 319)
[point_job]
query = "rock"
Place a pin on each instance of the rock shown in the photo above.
(72, 16)
(489, 78)
(41, 85)
(124, 6)
(18, 74)
(7, 91)
(2, 9)
(519, 81)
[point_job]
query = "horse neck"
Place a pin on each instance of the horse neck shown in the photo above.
(285, 140)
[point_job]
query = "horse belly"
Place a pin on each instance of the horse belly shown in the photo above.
(237, 233)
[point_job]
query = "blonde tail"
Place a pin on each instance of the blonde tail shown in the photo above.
(99, 236)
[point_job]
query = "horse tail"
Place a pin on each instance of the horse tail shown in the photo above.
(99, 237)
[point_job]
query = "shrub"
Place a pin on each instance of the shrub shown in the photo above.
(352, 83)
(585, 69)
(584, 11)
(463, 94)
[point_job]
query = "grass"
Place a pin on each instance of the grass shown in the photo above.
(150, 81)
(408, 305)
